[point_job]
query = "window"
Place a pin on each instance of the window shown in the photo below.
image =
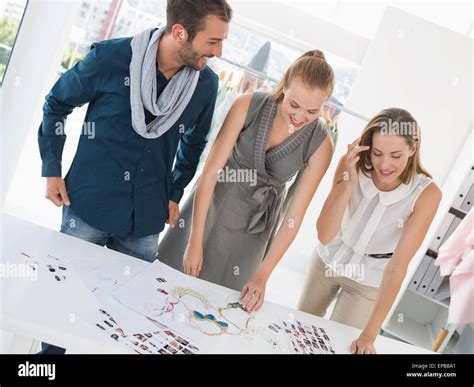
(11, 15)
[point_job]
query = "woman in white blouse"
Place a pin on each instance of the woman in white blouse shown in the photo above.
(377, 213)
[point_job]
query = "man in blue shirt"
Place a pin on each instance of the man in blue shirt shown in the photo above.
(122, 187)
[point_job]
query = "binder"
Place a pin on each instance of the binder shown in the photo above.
(444, 290)
(419, 273)
(441, 232)
(464, 189)
(455, 223)
(435, 284)
(428, 277)
(467, 203)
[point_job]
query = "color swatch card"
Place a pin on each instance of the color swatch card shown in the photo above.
(304, 338)
(147, 338)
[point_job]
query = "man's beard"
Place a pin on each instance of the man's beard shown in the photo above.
(189, 57)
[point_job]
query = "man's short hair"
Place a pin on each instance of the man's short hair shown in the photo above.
(192, 13)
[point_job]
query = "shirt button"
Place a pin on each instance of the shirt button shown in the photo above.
(148, 150)
(141, 169)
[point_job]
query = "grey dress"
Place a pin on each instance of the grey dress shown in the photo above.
(243, 216)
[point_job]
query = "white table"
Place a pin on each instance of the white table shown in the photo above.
(36, 310)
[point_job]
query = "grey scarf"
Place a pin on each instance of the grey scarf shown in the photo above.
(171, 103)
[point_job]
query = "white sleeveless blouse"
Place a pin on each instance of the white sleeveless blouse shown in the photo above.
(371, 229)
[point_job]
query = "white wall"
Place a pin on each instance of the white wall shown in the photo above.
(299, 29)
(427, 70)
(33, 65)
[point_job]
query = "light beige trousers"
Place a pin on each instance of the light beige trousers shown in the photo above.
(355, 301)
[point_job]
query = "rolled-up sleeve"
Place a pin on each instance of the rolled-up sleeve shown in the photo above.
(76, 87)
(191, 146)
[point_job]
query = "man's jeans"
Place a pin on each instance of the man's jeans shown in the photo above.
(144, 248)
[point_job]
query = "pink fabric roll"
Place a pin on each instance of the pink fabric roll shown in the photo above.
(456, 258)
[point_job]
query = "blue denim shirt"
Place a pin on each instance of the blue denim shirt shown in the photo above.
(118, 178)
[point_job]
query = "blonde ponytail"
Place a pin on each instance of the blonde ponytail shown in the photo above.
(312, 69)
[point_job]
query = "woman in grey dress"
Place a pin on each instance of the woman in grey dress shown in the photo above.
(264, 142)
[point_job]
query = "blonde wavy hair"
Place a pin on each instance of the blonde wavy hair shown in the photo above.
(399, 122)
